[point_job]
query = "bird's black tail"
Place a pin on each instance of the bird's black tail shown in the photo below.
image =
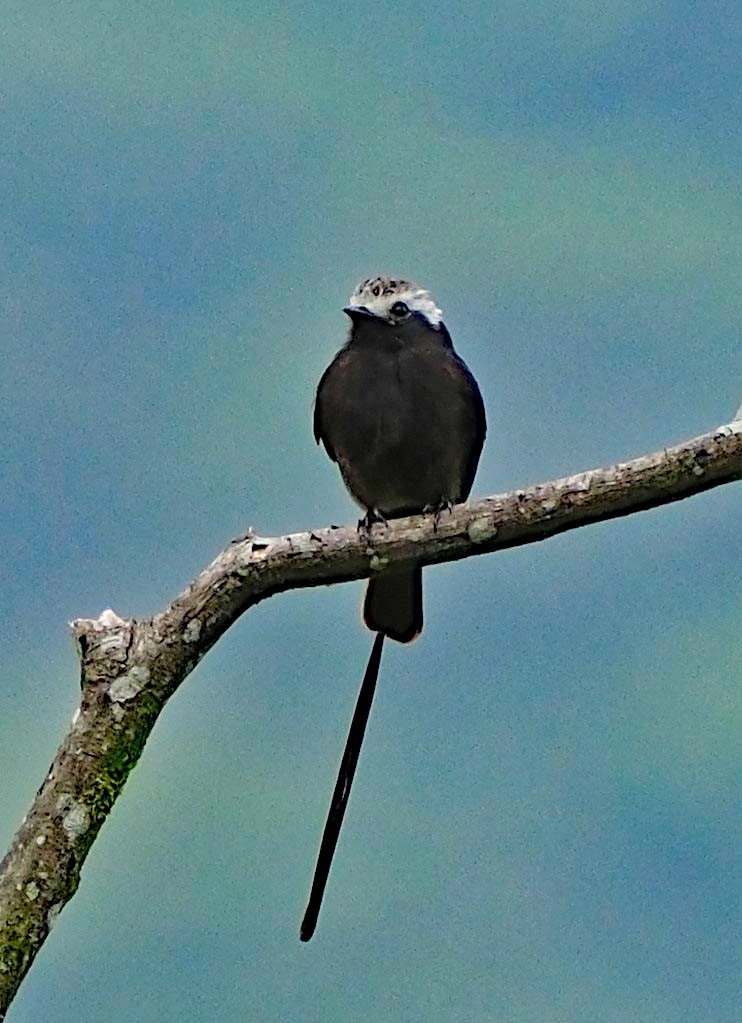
(394, 604)
(342, 789)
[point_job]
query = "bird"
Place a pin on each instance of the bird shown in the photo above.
(401, 414)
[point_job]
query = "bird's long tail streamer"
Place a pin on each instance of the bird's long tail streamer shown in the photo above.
(342, 789)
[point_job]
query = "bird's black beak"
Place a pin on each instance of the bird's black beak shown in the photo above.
(359, 312)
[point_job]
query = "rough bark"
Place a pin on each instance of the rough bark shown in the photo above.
(129, 668)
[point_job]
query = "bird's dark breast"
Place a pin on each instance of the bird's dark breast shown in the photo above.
(402, 425)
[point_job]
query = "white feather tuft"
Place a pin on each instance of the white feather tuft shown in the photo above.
(378, 295)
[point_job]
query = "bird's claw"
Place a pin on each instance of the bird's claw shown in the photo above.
(437, 509)
(372, 516)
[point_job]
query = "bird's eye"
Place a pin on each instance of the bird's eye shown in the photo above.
(399, 309)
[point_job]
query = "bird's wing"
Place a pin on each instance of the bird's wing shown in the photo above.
(320, 433)
(475, 406)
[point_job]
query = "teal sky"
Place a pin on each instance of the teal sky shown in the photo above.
(545, 825)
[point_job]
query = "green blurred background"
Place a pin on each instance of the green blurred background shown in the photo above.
(546, 821)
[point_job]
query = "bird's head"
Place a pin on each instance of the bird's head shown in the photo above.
(393, 301)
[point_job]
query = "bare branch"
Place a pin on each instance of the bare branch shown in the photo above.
(131, 667)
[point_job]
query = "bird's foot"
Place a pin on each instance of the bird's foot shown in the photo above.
(372, 516)
(437, 509)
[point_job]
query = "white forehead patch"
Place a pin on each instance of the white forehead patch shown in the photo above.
(378, 295)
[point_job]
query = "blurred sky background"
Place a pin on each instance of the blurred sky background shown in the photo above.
(546, 820)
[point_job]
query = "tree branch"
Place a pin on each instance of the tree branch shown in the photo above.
(129, 668)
